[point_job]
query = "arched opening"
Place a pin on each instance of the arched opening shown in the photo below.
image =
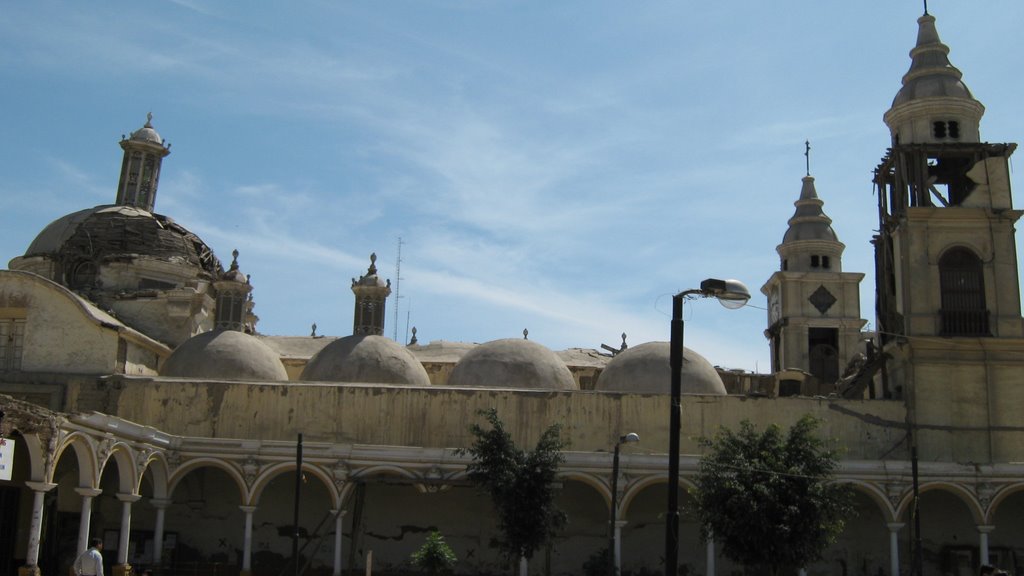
(1004, 540)
(274, 524)
(585, 535)
(205, 501)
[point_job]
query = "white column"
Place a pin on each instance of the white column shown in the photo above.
(160, 504)
(523, 566)
(709, 554)
(39, 490)
(87, 495)
(339, 516)
(618, 545)
(247, 539)
(983, 541)
(126, 525)
(894, 547)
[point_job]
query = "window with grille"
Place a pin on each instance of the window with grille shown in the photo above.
(962, 283)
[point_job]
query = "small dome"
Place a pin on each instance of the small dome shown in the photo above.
(512, 363)
(367, 359)
(147, 133)
(224, 355)
(645, 369)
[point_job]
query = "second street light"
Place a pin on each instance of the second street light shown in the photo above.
(614, 551)
(732, 294)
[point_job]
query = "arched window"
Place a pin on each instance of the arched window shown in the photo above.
(962, 283)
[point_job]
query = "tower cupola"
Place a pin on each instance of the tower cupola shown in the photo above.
(371, 295)
(234, 304)
(934, 105)
(144, 151)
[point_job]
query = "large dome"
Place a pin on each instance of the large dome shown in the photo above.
(79, 244)
(645, 369)
(367, 359)
(512, 363)
(224, 355)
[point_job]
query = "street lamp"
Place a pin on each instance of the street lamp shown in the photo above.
(613, 549)
(732, 294)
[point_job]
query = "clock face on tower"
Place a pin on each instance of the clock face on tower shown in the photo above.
(774, 306)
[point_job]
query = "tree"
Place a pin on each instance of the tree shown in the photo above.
(435, 556)
(521, 485)
(769, 499)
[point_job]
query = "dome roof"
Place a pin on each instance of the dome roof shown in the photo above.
(931, 74)
(365, 358)
(809, 221)
(224, 355)
(107, 232)
(645, 369)
(512, 363)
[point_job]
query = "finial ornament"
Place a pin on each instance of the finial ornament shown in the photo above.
(526, 334)
(807, 155)
(313, 334)
(925, 7)
(373, 264)
(234, 259)
(414, 341)
(149, 119)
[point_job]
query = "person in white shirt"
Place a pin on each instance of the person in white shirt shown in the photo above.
(90, 562)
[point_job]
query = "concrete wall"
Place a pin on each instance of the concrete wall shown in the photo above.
(440, 417)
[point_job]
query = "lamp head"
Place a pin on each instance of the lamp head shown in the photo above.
(732, 294)
(629, 438)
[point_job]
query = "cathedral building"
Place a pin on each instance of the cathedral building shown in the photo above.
(142, 405)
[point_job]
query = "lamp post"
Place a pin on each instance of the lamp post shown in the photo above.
(613, 549)
(732, 294)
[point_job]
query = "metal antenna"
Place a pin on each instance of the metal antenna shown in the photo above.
(807, 155)
(398, 287)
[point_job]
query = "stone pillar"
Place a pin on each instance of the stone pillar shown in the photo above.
(39, 490)
(87, 495)
(160, 504)
(894, 547)
(247, 541)
(122, 568)
(709, 555)
(983, 531)
(523, 567)
(618, 545)
(339, 516)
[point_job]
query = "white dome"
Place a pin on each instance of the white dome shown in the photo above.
(368, 359)
(224, 355)
(512, 363)
(645, 369)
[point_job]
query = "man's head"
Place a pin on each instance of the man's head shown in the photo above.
(96, 543)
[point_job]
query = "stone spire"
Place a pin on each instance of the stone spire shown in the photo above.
(144, 151)
(371, 296)
(810, 243)
(934, 105)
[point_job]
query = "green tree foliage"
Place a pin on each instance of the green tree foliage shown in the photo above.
(435, 556)
(769, 498)
(520, 483)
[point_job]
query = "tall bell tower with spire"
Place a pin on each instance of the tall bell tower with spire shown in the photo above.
(814, 318)
(945, 255)
(947, 279)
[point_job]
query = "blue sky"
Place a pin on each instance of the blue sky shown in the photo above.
(562, 167)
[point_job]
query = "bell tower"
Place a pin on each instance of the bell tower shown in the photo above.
(947, 279)
(814, 318)
(945, 255)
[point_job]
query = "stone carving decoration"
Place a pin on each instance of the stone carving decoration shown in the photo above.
(985, 491)
(822, 299)
(894, 491)
(103, 450)
(173, 458)
(250, 469)
(341, 473)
